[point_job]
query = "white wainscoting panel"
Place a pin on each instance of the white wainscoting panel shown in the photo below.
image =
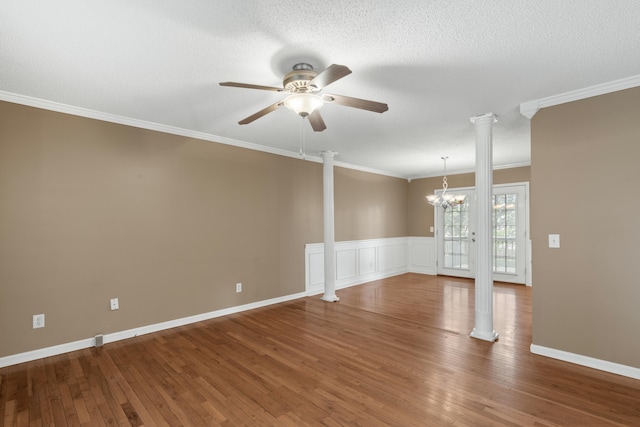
(315, 269)
(361, 261)
(346, 264)
(399, 253)
(367, 260)
(385, 257)
(422, 255)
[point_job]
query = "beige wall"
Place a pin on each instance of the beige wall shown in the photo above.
(584, 178)
(91, 210)
(370, 205)
(421, 212)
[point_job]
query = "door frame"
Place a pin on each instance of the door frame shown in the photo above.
(469, 273)
(527, 240)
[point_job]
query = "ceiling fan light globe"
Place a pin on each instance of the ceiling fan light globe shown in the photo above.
(303, 104)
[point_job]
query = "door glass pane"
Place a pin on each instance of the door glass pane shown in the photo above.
(456, 235)
(504, 233)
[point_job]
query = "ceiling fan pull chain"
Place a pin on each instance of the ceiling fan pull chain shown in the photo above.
(302, 141)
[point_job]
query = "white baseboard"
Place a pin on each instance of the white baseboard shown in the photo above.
(358, 262)
(361, 281)
(121, 335)
(430, 271)
(590, 362)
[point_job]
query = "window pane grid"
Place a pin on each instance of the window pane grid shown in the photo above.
(456, 235)
(504, 233)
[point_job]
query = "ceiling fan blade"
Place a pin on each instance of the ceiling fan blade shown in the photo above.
(316, 121)
(363, 104)
(261, 113)
(250, 86)
(330, 75)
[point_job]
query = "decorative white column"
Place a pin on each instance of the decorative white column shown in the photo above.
(329, 237)
(484, 227)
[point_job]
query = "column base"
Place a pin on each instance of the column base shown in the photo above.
(487, 336)
(330, 298)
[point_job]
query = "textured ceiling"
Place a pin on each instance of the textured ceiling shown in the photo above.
(435, 63)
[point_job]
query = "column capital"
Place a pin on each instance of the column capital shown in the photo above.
(328, 154)
(484, 117)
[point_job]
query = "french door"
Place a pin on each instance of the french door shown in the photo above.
(456, 234)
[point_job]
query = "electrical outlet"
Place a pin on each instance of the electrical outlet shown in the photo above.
(115, 305)
(38, 321)
(238, 287)
(554, 240)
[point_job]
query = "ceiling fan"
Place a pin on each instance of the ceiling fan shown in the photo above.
(304, 85)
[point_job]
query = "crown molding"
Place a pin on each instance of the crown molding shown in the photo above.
(128, 121)
(142, 124)
(462, 171)
(530, 108)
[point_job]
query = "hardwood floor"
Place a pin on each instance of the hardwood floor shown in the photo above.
(394, 352)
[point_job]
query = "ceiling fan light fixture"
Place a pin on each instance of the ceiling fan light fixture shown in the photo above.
(303, 104)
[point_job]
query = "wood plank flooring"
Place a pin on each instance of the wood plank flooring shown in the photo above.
(394, 352)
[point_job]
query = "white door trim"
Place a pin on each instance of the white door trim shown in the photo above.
(437, 213)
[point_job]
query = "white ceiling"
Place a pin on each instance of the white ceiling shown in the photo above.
(436, 63)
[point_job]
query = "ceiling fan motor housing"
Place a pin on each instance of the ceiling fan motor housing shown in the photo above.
(297, 81)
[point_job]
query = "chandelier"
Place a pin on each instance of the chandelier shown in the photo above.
(445, 199)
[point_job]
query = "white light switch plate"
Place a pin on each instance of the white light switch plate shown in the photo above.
(554, 241)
